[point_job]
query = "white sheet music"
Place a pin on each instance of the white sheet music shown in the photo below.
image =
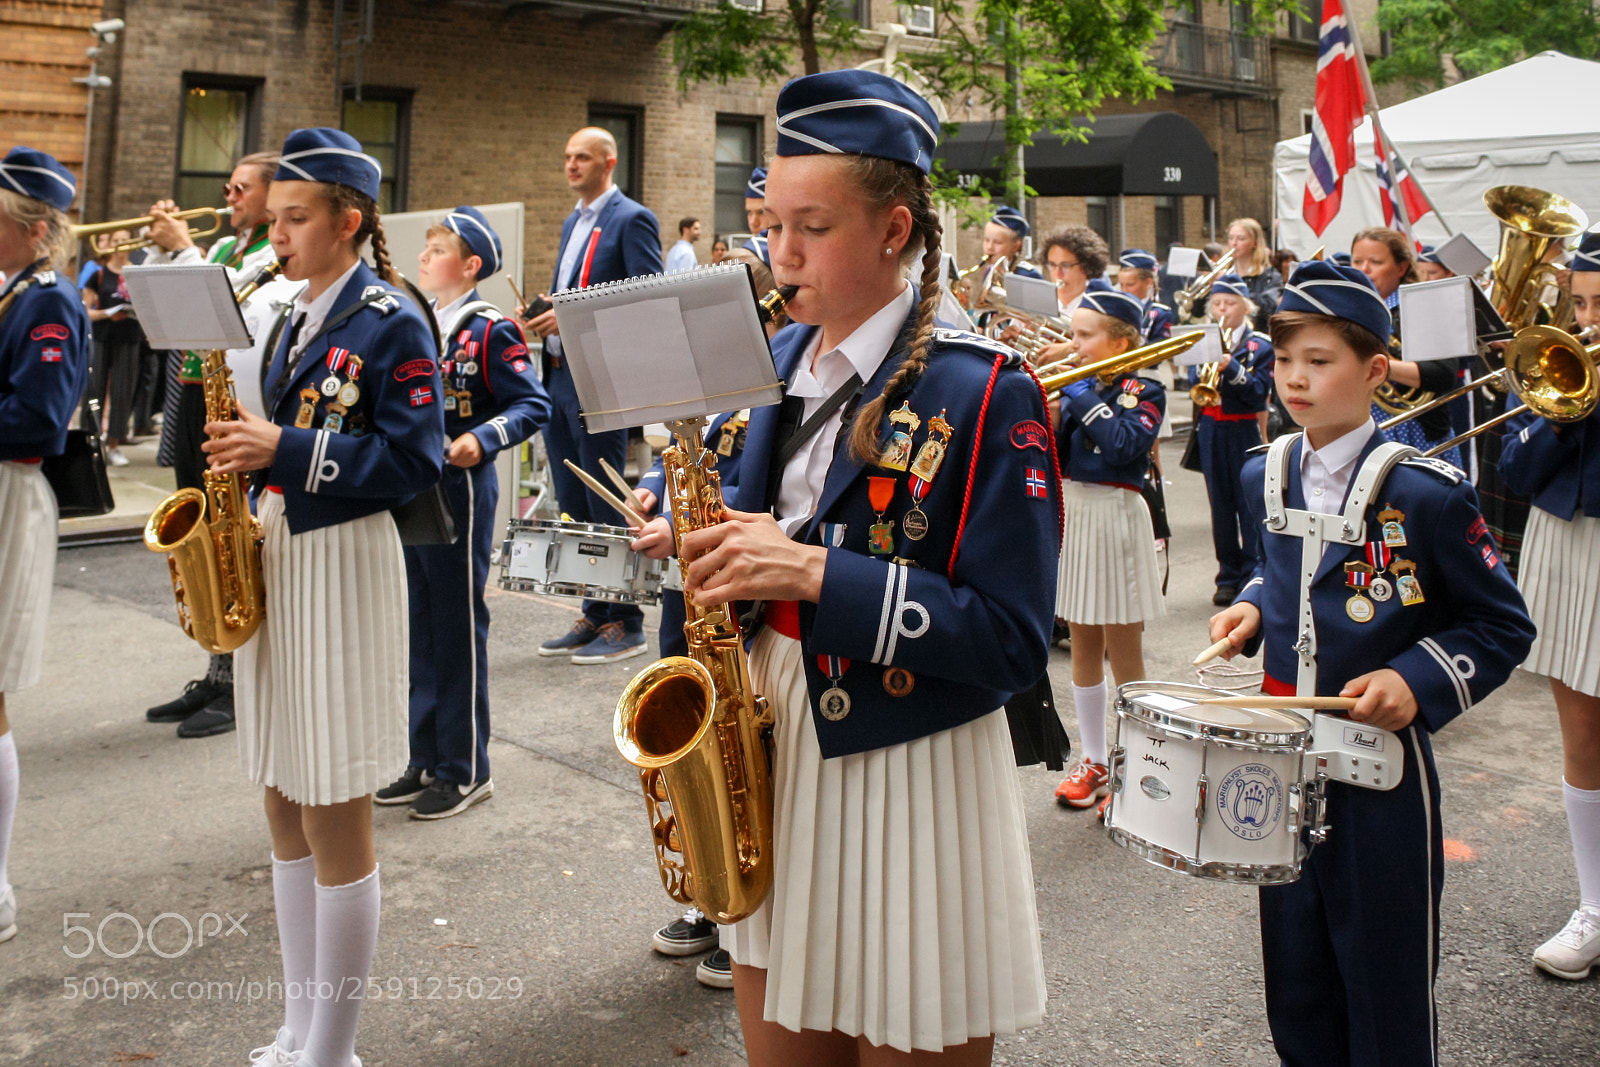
(1438, 320)
(1206, 350)
(187, 307)
(1183, 262)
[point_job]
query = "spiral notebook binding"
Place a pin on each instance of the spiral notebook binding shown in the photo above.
(646, 281)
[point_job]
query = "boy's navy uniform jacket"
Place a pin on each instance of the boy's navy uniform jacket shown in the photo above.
(388, 446)
(1247, 382)
(44, 364)
(1557, 465)
(1453, 649)
(490, 389)
(968, 620)
(1158, 322)
(1106, 439)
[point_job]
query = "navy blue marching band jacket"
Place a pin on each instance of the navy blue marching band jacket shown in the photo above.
(927, 633)
(1158, 321)
(1450, 619)
(1247, 382)
(489, 387)
(1556, 465)
(362, 415)
(1106, 432)
(44, 364)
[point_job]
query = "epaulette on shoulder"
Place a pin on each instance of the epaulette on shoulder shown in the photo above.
(1448, 471)
(977, 344)
(45, 278)
(1257, 450)
(385, 299)
(492, 314)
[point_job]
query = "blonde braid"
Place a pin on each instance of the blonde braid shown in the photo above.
(380, 253)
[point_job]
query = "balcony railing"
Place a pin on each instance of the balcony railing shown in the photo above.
(668, 11)
(1199, 57)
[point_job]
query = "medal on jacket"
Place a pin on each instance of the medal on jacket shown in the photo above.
(1379, 555)
(308, 408)
(880, 535)
(449, 398)
(464, 403)
(1358, 576)
(350, 392)
(897, 453)
(834, 703)
(335, 420)
(1130, 394)
(1394, 533)
(1405, 580)
(923, 470)
(732, 432)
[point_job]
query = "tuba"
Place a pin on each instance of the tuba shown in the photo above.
(1533, 220)
(697, 732)
(212, 542)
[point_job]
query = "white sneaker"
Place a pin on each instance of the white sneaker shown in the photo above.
(300, 1059)
(277, 1054)
(8, 914)
(115, 457)
(1573, 952)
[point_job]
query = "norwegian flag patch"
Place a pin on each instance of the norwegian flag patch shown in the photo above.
(50, 354)
(1034, 484)
(1490, 559)
(421, 397)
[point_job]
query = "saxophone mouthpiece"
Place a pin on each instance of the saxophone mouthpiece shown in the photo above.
(769, 307)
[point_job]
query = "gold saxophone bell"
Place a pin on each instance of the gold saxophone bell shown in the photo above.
(1107, 370)
(95, 229)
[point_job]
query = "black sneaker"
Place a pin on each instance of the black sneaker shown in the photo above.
(196, 695)
(686, 936)
(581, 634)
(716, 970)
(215, 718)
(1224, 595)
(443, 799)
(404, 789)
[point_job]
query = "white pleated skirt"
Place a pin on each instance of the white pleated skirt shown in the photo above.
(1108, 573)
(27, 571)
(322, 688)
(1560, 579)
(903, 906)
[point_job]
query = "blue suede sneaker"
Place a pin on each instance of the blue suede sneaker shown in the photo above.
(583, 631)
(613, 643)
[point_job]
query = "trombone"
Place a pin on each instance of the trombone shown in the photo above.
(1195, 290)
(1107, 370)
(92, 230)
(1552, 372)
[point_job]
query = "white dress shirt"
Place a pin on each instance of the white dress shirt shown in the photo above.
(1325, 472)
(446, 315)
(816, 379)
(577, 242)
(311, 314)
(681, 257)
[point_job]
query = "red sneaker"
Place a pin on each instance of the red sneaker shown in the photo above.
(1084, 784)
(1105, 802)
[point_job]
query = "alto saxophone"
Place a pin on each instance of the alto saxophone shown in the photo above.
(212, 542)
(697, 732)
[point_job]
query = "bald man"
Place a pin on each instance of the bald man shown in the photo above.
(607, 238)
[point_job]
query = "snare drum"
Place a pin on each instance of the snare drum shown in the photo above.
(577, 559)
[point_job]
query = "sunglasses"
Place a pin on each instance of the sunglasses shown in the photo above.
(235, 188)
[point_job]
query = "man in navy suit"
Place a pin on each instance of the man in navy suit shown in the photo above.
(607, 238)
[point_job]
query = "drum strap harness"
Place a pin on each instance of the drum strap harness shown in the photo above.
(1316, 531)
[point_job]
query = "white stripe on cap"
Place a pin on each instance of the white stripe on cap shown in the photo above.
(328, 150)
(1587, 257)
(1114, 294)
(450, 221)
(7, 168)
(834, 105)
(1300, 291)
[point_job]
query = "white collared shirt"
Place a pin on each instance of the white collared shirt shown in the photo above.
(444, 316)
(578, 239)
(816, 379)
(311, 314)
(681, 257)
(1325, 472)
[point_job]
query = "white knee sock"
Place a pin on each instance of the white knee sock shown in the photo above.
(1583, 822)
(8, 799)
(347, 938)
(1090, 700)
(294, 898)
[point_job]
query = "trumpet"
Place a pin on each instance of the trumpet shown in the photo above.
(1108, 370)
(1184, 301)
(95, 229)
(1552, 372)
(1207, 392)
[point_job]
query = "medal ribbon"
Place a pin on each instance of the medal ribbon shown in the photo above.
(1379, 555)
(336, 358)
(833, 666)
(880, 491)
(918, 489)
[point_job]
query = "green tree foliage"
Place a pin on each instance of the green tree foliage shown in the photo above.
(727, 42)
(1481, 35)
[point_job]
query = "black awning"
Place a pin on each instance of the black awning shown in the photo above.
(1160, 153)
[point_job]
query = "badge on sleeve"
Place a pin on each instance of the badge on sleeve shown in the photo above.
(421, 396)
(1035, 484)
(897, 453)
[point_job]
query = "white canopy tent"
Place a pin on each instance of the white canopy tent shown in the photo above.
(1521, 125)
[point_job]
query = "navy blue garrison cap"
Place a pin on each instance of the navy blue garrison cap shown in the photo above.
(1323, 288)
(1231, 285)
(323, 154)
(1011, 219)
(1587, 255)
(755, 187)
(758, 245)
(1137, 259)
(471, 226)
(1114, 302)
(36, 175)
(859, 113)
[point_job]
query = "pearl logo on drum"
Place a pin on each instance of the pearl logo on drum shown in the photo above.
(1250, 801)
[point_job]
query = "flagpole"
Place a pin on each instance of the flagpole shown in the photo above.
(1372, 110)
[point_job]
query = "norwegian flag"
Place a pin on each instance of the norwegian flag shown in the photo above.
(1392, 172)
(421, 396)
(1339, 106)
(1033, 482)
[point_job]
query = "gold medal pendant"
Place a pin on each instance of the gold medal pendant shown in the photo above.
(915, 524)
(464, 405)
(1128, 400)
(1359, 608)
(834, 704)
(897, 453)
(1405, 582)
(1394, 531)
(349, 394)
(308, 409)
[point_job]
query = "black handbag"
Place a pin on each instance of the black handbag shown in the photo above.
(1191, 450)
(425, 519)
(78, 475)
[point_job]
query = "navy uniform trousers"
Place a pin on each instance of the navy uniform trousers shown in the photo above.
(1352, 948)
(1224, 446)
(565, 438)
(450, 636)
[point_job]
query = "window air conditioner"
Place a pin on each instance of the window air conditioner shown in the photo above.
(918, 19)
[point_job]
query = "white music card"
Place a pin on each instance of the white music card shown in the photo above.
(187, 307)
(1207, 350)
(1183, 262)
(1033, 295)
(1462, 255)
(1438, 320)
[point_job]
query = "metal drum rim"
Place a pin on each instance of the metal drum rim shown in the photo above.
(1294, 732)
(1237, 873)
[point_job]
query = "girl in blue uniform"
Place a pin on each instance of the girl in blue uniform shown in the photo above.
(355, 429)
(1410, 611)
(1109, 585)
(905, 565)
(1558, 465)
(44, 367)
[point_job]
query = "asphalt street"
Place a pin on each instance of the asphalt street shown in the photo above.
(518, 933)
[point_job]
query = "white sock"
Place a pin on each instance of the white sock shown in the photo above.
(347, 939)
(1583, 823)
(294, 898)
(8, 799)
(1090, 700)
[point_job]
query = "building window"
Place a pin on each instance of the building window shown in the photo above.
(1169, 224)
(381, 121)
(1309, 27)
(220, 123)
(738, 150)
(1307, 116)
(1186, 11)
(1103, 220)
(625, 124)
(1240, 16)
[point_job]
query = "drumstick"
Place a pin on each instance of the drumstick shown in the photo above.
(1313, 703)
(621, 483)
(1213, 652)
(633, 517)
(516, 292)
